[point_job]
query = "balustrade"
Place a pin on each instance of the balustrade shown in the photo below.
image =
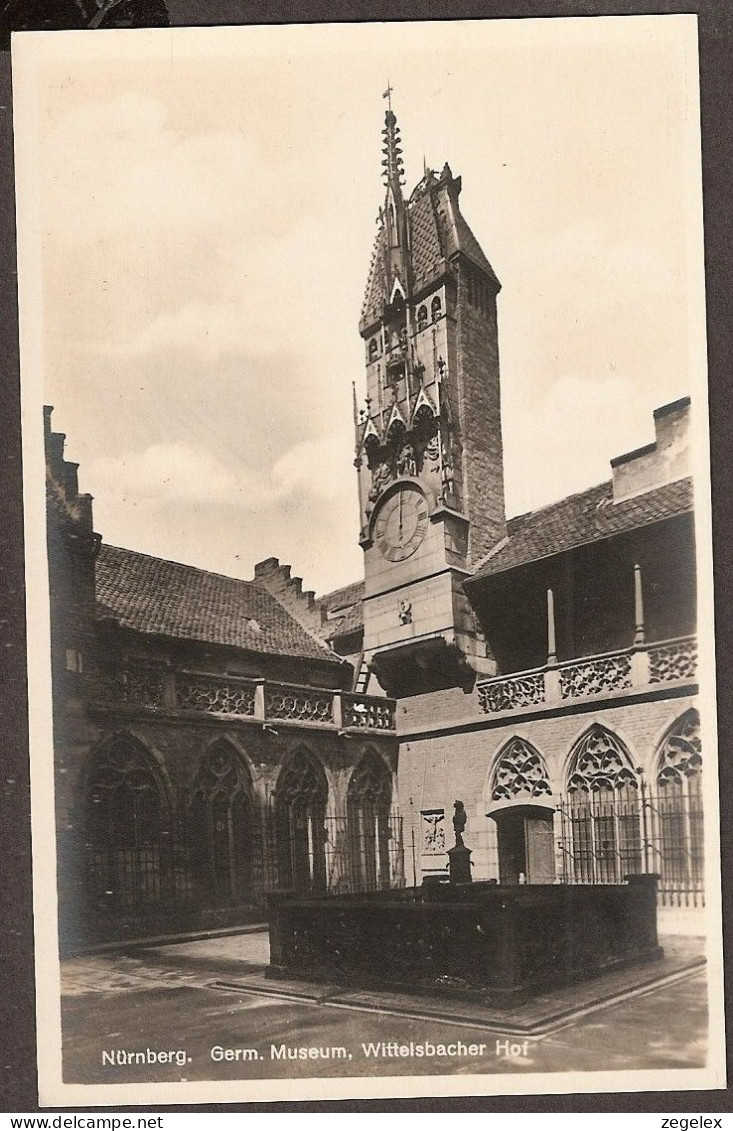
(156, 687)
(368, 711)
(215, 694)
(670, 661)
(299, 704)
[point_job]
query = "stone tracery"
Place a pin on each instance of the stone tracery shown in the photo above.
(520, 769)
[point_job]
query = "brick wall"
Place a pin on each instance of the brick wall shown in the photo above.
(480, 423)
(435, 771)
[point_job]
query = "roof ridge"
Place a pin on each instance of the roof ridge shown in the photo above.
(184, 565)
(564, 499)
(302, 623)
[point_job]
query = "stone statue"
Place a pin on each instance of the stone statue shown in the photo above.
(406, 462)
(459, 822)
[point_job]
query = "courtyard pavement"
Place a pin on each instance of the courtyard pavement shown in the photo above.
(169, 999)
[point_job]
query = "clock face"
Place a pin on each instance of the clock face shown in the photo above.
(401, 523)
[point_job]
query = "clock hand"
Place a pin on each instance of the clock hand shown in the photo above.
(400, 512)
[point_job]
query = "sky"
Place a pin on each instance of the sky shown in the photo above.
(203, 204)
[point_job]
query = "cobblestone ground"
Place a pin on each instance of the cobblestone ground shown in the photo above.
(161, 999)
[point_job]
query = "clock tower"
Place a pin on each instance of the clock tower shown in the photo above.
(428, 441)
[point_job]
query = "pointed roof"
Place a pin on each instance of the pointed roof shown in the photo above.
(395, 418)
(437, 232)
(423, 401)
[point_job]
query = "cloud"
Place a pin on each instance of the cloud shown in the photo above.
(160, 474)
(181, 501)
(182, 472)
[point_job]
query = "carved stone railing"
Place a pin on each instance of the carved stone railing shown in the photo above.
(675, 659)
(139, 685)
(511, 692)
(216, 695)
(591, 677)
(367, 711)
(299, 704)
(578, 680)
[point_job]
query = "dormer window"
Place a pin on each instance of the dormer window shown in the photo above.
(436, 308)
(422, 318)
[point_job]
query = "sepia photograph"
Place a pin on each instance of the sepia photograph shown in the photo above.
(369, 573)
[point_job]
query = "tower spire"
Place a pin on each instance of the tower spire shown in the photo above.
(393, 170)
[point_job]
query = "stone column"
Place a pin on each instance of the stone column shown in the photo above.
(551, 646)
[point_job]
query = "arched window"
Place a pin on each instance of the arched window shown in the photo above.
(678, 806)
(436, 308)
(604, 809)
(300, 823)
(221, 827)
(422, 317)
(373, 349)
(368, 806)
(520, 770)
(127, 836)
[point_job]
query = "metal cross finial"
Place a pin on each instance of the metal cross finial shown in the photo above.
(388, 95)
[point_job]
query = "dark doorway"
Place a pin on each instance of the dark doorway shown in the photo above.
(526, 845)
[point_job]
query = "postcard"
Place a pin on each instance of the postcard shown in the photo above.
(372, 709)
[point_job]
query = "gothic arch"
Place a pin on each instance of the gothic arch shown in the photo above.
(598, 760)
(221, 825)
(519, 771)
(300, 803)
(603, 809)
(679, 756)
(127, 825)
(368, 806)
(677, 808)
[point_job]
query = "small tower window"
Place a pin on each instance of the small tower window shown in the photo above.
(436, 308)
(422, 318)
(373, 349)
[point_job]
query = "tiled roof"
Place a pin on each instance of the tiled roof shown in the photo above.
(425, 244)
(438, 231)
(459, 237)
(376, 289)
(346, 609)
(164, 598)
(589, 516)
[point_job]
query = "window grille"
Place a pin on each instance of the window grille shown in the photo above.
(300, 833)
(603, 811)
(127, 834)
(221, 828)
(368, 805)
(676, 809)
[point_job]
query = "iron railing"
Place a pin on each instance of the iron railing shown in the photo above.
(605, 838)
(360, 853)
